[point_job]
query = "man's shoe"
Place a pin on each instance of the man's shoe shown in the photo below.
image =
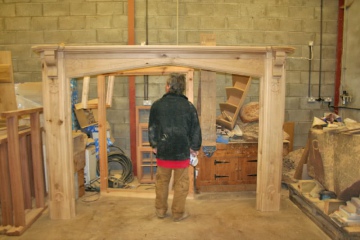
(183, 217)
(159, 214)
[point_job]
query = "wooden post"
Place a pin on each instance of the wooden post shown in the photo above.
(58, 136)
(37, 159)
(208, 113)
(25, 173)
(5, 189)
(270, 148)
(102, 133)
(15, 171)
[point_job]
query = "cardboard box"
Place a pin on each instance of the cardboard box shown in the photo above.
(86, 117)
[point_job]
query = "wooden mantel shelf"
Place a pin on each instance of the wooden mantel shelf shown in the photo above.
(60, 63)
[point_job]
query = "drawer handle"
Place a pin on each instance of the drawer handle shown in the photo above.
(219, 162)
(219, 176)
(255, 160)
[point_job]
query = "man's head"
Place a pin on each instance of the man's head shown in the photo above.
(176, 83)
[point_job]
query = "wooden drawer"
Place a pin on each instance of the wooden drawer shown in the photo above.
(230, 164)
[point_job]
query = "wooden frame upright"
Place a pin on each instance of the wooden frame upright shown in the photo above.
(61, 63)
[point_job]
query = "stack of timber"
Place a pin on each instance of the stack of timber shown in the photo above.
(305, 194)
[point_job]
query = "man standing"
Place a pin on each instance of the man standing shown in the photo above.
(174, 134)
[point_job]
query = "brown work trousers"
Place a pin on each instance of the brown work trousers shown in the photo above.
(181, 190)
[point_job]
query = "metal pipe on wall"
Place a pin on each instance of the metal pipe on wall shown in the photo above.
(131, 91)
(321, 35)
(146, 77)
(339, 53)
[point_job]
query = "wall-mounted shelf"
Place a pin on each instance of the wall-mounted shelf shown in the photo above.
(235, 98)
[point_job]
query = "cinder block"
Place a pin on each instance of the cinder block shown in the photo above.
(83, 36)
(239, 23)
(163, 22)
(287, 25)
(202, 9)
(189, 22)
(84, 8)
(167, 36)
(297, 90)
(277, 37)
(120, 103)
(212, 22)
(18, 23)
(120, 21)
(110, 36)
(44, 23)
(110, 8)
(29, 9)
(267, 24)
(227, 9)
(56, 9)
(252, 10)
(299, 115)
(299, 12)
(277, 11)
(7, 10)
(72, 22)
(57, 37)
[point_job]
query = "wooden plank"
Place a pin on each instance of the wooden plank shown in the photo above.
(15, 171)
(132, 118)
(5, 73)
(102, 134)
(208, 113)
(110, 90)
(5, 189)
(85, 92)
(7, 88)
(21, 112)
(155, 71)
(37, 159)
(25, 172)
(190, 85)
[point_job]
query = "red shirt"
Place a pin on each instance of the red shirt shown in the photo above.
(173, 164)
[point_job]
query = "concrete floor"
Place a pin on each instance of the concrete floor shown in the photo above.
(213, 216)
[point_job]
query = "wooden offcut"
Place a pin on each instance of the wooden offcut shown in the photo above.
(7, 88)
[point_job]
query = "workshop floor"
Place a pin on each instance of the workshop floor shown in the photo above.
(214, 216)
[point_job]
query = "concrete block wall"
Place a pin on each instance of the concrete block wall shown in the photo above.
(24, 23)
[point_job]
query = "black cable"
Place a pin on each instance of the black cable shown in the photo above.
(321, 33)
(120, 158)
(343, 107)
(310, 60)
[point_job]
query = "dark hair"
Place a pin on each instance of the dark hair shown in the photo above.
(176, 83)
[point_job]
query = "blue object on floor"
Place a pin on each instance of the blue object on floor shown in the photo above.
(221, 139)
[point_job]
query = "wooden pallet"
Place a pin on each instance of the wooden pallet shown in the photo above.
(319, 210)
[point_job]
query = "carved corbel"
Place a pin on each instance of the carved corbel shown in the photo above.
(278, 64)
(50, 62)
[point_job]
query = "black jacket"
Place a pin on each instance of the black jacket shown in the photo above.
(174, 127)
